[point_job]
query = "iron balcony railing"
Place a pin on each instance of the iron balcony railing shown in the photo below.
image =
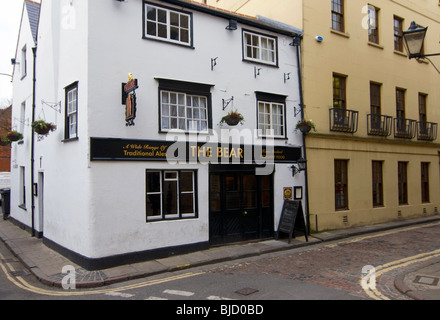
(404, 128)
(426, 131)
(343, 120)
(379, 125)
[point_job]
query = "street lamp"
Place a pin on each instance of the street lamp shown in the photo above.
(414, 40)
(301, 166)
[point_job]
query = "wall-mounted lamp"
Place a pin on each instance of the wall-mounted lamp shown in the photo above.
(296, 41)
(232, 25)
(14, 62)
(414, 40)
(301, 165)
(286, 77)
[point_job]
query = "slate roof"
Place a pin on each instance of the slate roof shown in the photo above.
(33, 10)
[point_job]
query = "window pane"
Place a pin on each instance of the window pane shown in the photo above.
(162, 30)
(170, 197)
(151, 13)
(186, 182)
(153, 205)
(187, 203)
(162, 16)
(153, 182)
(174, 19)
(151, 28)
(184, 21)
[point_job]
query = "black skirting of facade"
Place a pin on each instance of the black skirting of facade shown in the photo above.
(93, 264)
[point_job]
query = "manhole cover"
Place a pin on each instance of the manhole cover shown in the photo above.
(430, 281)
(246, 291)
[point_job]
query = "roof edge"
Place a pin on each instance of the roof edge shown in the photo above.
(259, 21)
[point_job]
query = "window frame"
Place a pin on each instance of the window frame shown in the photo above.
(402, 182)
(424, 177)
(260, 48)
(373, 32)
(271, 100)
(23, 62)
(341, 184)
(340, 98)
(68, 135)
(377, 179)
(179, 215)
(22, 190)
(398, 33)
(168, 25)
(338, 24)
(188, 89)
(400, 103)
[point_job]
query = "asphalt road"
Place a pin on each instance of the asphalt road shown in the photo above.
(328, 271)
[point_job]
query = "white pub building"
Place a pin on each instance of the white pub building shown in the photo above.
(144, 161)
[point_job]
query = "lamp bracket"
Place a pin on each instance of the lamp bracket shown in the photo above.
(298, 110)
(227, 102)
(213, 63)
(54, 105)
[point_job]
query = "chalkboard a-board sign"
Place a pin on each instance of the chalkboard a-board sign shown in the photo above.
(291, 210)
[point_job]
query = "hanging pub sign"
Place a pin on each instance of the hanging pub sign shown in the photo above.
(129, 99)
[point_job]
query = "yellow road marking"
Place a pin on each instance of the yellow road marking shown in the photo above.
(357, 239)
(23, 284)
(380, 270)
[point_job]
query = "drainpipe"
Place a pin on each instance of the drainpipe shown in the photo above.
(301, 97)
(34, 51)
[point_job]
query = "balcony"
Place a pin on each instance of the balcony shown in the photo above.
(378, 125)
(427, 131)
(343, 120)
(404, 128)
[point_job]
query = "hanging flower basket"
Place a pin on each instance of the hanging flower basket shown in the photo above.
(233, 118)
(305, 126)
(12, 136)
(42, 127)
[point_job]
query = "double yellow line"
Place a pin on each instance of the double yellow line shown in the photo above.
(376, 294)
(23, 284)
(357, 239)
(380, 270)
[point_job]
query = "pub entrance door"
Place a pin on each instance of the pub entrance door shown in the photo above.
(240, 205)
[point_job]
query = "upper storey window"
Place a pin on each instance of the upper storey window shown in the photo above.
(167, 25)
(259, 48)
(338, 23)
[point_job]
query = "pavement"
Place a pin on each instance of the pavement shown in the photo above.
(422, 283)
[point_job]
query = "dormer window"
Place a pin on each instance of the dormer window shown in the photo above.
(167, 25)
(259, 48)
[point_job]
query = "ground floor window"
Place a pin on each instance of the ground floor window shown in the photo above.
(377, 184)
(403, 182)
(341, 185)
(425, 181)
(171, 194)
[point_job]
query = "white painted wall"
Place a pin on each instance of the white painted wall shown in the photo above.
(22, 93)
(97, 209)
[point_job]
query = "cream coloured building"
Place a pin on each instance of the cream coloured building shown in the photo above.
(375, 154)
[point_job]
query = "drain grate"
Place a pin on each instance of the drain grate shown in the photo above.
(246, 291)
(430, 281)
(19, 273)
